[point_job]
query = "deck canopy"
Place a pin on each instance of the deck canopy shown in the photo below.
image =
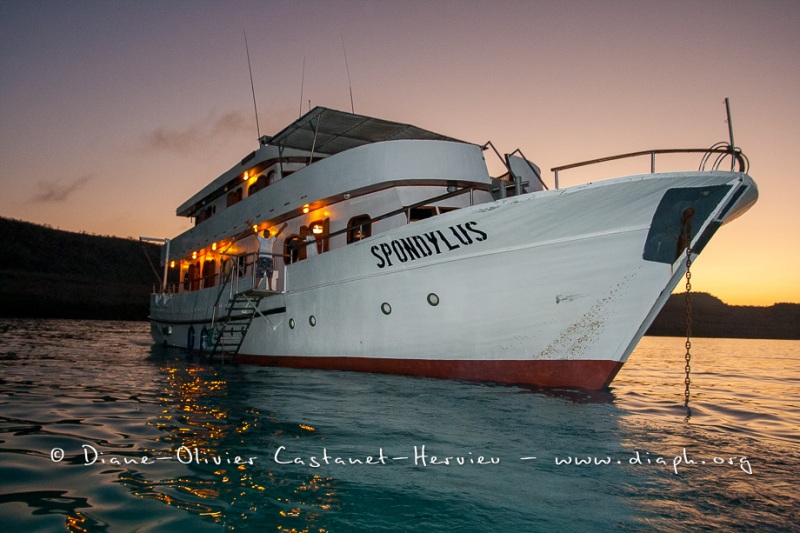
(328, 131)
(324, 132)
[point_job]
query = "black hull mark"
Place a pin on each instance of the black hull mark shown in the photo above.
(665, 228)
(417, 247)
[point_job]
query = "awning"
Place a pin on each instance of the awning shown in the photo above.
(327, 131)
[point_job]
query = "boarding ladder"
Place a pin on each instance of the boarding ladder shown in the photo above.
(231, 330)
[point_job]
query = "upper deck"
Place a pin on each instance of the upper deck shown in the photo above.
(331, 156)
(320, 133)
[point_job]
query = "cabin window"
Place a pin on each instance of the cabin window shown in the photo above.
(291, 249)
(209, 273)
(320, 229)
(225, 269)
(443, 210)
(205, 214)
(187, 277)
(234, 196)
(358, 228)
(421, 213)
(260, 183)
(194, 275)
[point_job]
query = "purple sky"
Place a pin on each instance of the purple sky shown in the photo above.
(113, 113)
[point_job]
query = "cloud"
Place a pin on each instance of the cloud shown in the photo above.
(57, 191)
(184, 141)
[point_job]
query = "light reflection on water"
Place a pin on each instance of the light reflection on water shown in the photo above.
(69, 385)
(740, 386)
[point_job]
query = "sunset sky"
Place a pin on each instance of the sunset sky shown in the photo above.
(113, 113)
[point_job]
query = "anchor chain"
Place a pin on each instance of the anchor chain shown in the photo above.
(686, 224)
(688, 355)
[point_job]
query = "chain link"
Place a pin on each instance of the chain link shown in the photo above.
(688, 355)
(687, 239)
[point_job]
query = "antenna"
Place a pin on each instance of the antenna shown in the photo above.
(252, 87)
(730, 132)
(302, 84)
(349, 84)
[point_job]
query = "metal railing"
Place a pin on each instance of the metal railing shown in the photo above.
(722, 151)
(405, 209)
(242, 271)
(241, 268)
(237, 270)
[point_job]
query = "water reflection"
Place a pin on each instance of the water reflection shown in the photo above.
(111, 391)
(223, 444)
(739, 431)
(572, 395)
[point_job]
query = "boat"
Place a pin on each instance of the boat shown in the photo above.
(353, 243)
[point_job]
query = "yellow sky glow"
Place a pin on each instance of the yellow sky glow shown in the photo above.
(108, 132)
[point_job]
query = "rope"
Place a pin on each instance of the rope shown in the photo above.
(152, 266)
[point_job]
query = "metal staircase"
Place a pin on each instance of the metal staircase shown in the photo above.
(231, 330)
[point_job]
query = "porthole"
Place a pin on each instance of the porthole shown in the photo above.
(386, 308)
(433, 299)
(291, 323)
(312, 320)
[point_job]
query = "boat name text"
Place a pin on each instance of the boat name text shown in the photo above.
(427, 244)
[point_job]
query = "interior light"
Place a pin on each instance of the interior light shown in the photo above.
(172, 264)
(214, 246)
(246, 175)
(255, 228)
(305, 208)
(326, 213)
(316, 229)
(194, 255)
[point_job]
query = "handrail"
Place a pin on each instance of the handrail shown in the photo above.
(247, 268)
(719, 148)
(446, 196)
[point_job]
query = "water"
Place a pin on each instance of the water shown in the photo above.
(80, 399)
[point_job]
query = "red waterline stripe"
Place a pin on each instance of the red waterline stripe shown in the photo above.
(580, 374)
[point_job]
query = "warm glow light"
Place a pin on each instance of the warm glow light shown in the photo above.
(255, 228)
(317, 229)
(305, 208)
(749, 261)
(246, 175)
(172, 264)
(326, 213)
(194, 255)
(214, 246)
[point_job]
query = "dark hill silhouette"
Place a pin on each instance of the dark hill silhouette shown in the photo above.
(49, 273)
(711, 317)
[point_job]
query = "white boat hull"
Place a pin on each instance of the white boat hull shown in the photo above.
(546, 289)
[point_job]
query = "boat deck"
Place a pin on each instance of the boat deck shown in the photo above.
(260, 293)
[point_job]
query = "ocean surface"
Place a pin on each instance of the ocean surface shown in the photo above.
(102, 431)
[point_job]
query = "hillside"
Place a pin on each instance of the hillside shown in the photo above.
(59, 274)
(711, 317)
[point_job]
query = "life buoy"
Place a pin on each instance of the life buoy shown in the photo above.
(190, 338)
